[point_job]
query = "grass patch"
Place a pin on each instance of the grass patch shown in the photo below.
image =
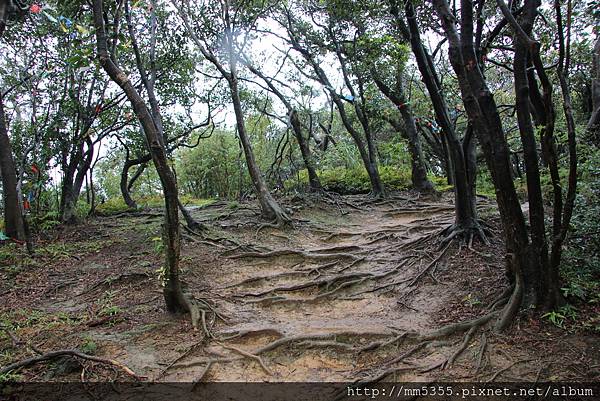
(117, 205)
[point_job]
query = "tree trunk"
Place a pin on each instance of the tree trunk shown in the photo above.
(269, 206)
(420, 182)
(173, 294)
(464, 200)
(594, 122)
(533, 275)
(367, 152)
(125, 183)
(13, 218)
(189, 219)
(524, 263)
(73, 188)
(313, 178)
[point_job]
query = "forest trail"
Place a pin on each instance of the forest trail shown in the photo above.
(337, 278)
(336, 298)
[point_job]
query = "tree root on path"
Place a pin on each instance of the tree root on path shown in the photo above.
(431, 265)
(427, 339)
(330, 340)
(305, 339)
(292, 252)
(198, 309)
(498, 373)
(466, 235)
(347, 280)
(109, 281)
(68, 352)
(204, 238)
(249, 355)
(431, 209)
(318, 283)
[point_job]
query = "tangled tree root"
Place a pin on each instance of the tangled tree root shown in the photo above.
(199, 310)
(466, 235)
(67, 352)
(330, 272)
(109, 281)
(428, 339)
(310, 340)
(315, 254)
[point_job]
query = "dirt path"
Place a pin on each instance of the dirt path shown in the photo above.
(330, 284)
(336, 298)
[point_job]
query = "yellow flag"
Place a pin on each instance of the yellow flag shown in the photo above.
(82, 30)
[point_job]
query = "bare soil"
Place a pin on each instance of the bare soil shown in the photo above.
(340, 296)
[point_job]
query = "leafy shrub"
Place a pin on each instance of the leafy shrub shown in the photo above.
(440, 183)
(112, 206)
(355, 180)
(117, 205)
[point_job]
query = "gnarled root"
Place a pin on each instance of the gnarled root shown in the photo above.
(466, 235)
(67, 352)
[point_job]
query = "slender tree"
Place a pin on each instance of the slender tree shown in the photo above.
(301, 38)
(175, 299)
(221, 50)
(535, 280)
(295, 123)
(14, 224)
(460, 152)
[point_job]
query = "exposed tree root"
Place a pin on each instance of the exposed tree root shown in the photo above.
(498, 373)
(245, 333)
(67, 352)
(427, 339)
(253, 280)
(428, 209)
(466, 235)
(319, 283)
(342, 281)
(249, 355)
(18, 342)
(514, 304)
(313, 339)
(198, 309)
(461, 349)
(109, 281)
(181, 357)
(481, 352)
(381, 344)
(427, 268)
(288, 252)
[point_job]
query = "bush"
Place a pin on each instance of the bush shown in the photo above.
(581, 261)
(117, 205)
(348, 181)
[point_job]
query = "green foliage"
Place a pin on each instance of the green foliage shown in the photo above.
(581, 258)
(356, 180)
(118, 205)
(212, 169)
(89, 346)
(561, 316)
(556, 318)
(440, 183)
(10, 377)
(112, 206)
(157, 245)
(471, 301)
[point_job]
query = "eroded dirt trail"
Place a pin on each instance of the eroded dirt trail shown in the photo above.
(341, 296)
(332, 286)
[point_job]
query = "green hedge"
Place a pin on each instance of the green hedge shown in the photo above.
(356, 180)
